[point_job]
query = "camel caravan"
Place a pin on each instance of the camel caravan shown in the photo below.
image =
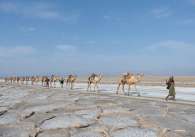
(93, 81)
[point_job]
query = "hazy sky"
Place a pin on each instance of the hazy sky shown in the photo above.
(108, 36)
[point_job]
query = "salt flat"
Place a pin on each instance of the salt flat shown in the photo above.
(34, 111)
(182, 93)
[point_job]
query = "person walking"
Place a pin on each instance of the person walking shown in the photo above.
(62, 82)
(171, 87)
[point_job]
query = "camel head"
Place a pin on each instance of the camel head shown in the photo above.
(139, 76)
(74, 77)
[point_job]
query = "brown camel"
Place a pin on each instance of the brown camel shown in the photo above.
(130, 80)
(38, 79)
(94, 79)
(70, 81)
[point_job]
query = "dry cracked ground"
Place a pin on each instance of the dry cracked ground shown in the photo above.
(39, 112)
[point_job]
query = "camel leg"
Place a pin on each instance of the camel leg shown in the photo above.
(66, 84)
(48, 85)
(135, 88)
(118, 88)
(97, 87)
(129, 89)
(89, 86)
(94, 87)
(123, 88)
(71, 85)
(54, 84)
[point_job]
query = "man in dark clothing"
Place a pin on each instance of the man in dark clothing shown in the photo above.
(62, 82)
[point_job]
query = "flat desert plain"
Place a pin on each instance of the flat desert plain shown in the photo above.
(35, 111)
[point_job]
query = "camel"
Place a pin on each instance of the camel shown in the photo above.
(94, 79)
(70, 81)
(33, 79)
(37, 79)
(53, 80)
(47, 81)
(22, 80)
(8, 79)
(14, 79)
(27, 79)
(130, 80)
(43, 80)
(18, 80)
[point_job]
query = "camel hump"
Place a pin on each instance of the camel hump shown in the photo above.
(93, 75)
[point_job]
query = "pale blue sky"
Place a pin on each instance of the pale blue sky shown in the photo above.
(107, 36)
